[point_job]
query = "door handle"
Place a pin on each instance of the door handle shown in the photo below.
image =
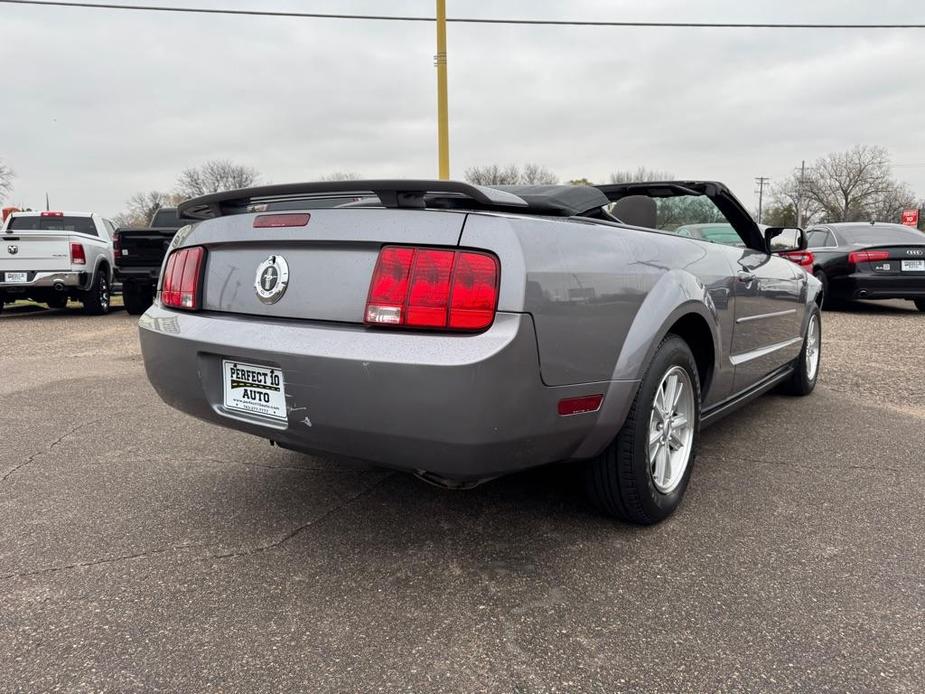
(746, 277)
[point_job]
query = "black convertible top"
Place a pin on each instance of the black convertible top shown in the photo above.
(552, 200)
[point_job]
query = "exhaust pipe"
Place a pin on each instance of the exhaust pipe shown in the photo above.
(59, 286)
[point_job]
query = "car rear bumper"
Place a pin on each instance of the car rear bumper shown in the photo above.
(460, 406)
(46, 279)
(146, 275)
(871, 286)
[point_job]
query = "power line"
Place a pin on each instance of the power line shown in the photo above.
(456, 20)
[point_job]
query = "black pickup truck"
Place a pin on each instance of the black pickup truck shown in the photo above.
(138, 257)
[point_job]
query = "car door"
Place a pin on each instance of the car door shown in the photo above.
(767, 290)
(769, 306)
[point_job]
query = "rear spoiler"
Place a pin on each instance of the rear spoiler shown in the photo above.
(391, 193)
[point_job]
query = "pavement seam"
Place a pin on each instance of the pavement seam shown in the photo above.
(789, 463)
(31, 459)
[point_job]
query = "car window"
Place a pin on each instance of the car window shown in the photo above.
(695, 216)
(815, 239)
(81, 225)
(868, 235)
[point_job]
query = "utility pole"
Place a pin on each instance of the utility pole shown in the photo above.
(761, 181)
(443, 119)
(800, 198)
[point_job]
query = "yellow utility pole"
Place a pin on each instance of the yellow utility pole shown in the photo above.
(443, 118)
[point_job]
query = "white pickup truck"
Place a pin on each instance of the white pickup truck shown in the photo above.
(50, 257)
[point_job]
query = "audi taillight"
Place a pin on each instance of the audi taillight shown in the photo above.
(856, 257)
(78, 256)
(804, 259)
(182, 277)
(433, 288)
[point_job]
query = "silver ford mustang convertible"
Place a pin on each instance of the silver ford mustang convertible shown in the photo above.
(463, 332)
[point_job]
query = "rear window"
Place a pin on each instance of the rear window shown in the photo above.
(166, 218)
(875, 235)
(81, 225)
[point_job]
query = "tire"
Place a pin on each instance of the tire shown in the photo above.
(624, 480)
(96, 298)
(137, 298)
(920, 304)
(57, 300)
(806, 372)
(821, 276)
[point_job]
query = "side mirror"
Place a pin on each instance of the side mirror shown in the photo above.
(784, 239)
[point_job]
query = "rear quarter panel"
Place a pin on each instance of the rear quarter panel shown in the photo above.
(603, 296)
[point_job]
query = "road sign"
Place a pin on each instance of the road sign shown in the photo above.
(911, 218)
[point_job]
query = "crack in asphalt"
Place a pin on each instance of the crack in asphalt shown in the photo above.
(226, 555)
(31, 459)
(290, 535)
(98, 562)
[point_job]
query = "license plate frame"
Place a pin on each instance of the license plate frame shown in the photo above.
(913, 266)
(253, 389)
(15, 277)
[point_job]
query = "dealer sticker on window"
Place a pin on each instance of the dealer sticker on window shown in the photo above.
(254, 389)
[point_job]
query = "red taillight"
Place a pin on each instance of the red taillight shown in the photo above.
(78, 256)
(433, 288)
(116, 245)
(855, 257)
(182, 274)
(51, 214)
(802, 258)
(580, 405)
(273, 221)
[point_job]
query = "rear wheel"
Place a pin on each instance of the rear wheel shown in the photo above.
(920, 304)
(137, 298)
(643, 473)
(806, 367)
(57, 300)
(96, 298)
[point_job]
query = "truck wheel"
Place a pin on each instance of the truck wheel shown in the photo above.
(56, 300)
(806, 367)
(136, 298)
(643, 473)
(96, 298)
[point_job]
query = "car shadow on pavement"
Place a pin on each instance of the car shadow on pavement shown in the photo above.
(37, 311)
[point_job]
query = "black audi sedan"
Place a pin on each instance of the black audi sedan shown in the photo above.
(869, 261)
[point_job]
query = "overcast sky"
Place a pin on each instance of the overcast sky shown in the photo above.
(98, 104)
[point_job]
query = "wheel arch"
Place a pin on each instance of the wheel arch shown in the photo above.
(678, 304)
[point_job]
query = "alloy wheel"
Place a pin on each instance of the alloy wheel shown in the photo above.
(671, 429)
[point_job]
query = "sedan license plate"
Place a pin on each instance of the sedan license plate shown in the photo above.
(15, 277)
(254, 389)
(914, 266)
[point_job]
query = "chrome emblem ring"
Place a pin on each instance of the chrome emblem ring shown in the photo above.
(272, 279)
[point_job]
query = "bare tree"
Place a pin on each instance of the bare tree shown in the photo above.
(512, 174)
(640, 175)
(342, 176)
(140, 208)
(215, 176)
(855, 185)
(534, 174)
(6, 180)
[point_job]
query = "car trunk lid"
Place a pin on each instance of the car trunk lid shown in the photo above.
(907, 259)
(39, 251)
(330, 259)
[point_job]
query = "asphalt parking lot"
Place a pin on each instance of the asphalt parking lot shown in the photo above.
(143, 550)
